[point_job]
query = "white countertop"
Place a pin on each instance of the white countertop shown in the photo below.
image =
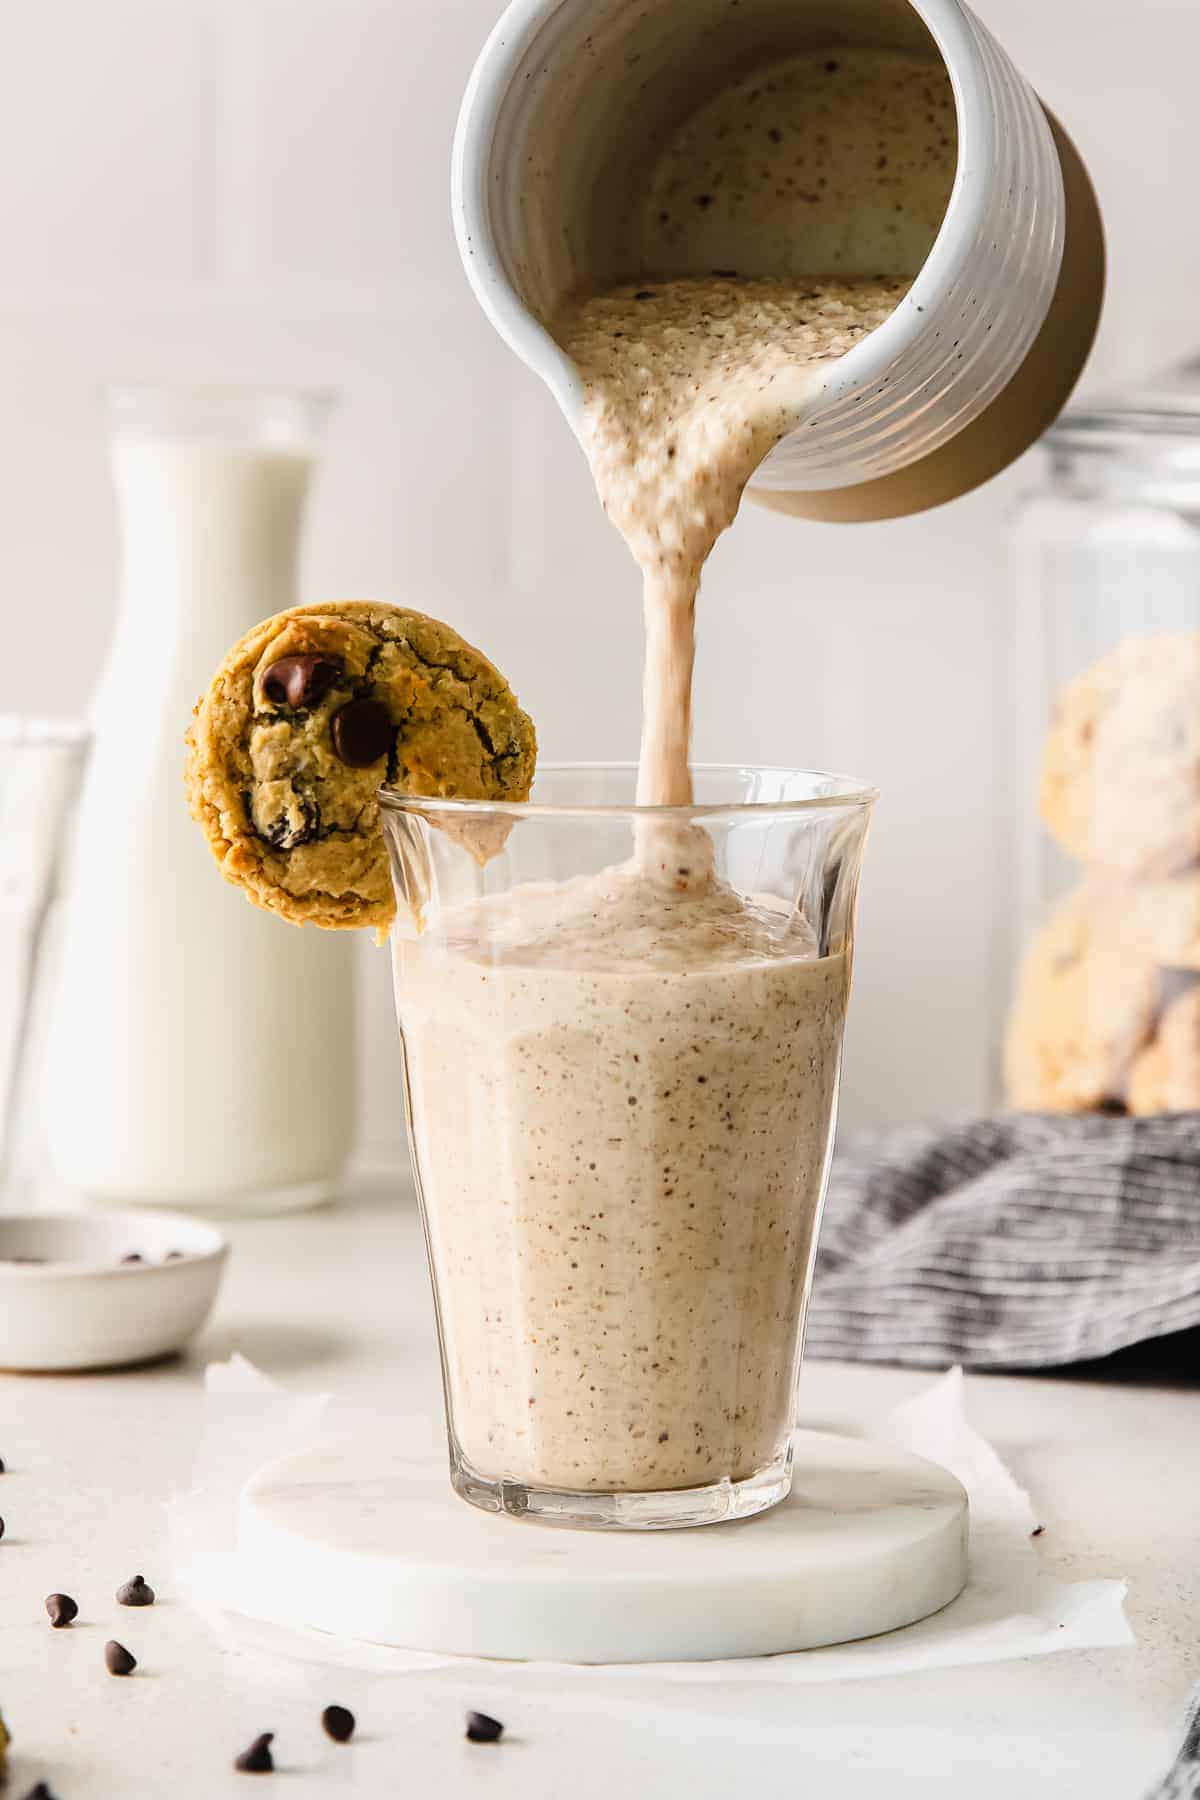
(336, 1301)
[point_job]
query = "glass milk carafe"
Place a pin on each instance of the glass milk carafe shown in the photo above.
(41, 761)
(201, 1051)
(621, 1096)
(1106, 1014)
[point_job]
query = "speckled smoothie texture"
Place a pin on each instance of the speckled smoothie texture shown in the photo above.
(689, 385)
(622, 1104)
(622, 1087)
(840, 161)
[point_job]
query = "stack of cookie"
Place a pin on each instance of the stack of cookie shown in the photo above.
(1107, 1013)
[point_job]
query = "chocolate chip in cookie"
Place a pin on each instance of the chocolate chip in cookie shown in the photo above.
(301, 824)
(300, 681)
(362, 733)
(305, 720)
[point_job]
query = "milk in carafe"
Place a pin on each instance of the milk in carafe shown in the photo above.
(200, 1055)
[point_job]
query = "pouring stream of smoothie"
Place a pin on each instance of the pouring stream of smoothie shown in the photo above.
(689, 385)
(622, 1083)
(837, 161)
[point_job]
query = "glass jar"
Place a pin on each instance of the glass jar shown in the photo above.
(1106, 1010)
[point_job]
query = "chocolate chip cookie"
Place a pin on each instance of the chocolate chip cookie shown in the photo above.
(1165, 1076)
(1121, 774)
(308, 716)
(1161, 919)
(1086, 1005)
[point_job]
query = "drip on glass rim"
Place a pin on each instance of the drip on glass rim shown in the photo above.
(842, 790)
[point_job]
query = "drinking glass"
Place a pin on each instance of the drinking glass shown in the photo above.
(622, 1032)
(41, 763)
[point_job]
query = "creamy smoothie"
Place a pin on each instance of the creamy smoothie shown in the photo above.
(621, 1102)
(838, 158)
(622, 1086)
(690, 384)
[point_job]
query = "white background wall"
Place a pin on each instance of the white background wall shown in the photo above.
(255, 190)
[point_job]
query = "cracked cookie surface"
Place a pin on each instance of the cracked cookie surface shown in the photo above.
(308, 716)
(1121, 771)
(1165, 1077)
(1100, 1021)
(1085, 1005)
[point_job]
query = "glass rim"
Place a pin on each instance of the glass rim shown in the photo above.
(22, 731)
(120, 393)
(149, 412)
(854, 794)
(1101, 427)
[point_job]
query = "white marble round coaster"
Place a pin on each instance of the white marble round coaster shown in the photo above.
(356, 1540)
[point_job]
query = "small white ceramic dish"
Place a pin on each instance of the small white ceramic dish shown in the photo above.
(69, 1299)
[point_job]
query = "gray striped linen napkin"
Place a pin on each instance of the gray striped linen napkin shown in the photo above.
(1022, 1241)
(1182, 1780)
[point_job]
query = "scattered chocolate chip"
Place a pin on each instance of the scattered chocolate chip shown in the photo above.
(1, 1465)
(482, 1730)
(176, 1255)
(1, 1528)
(61, 1609)
(135, 1593)
(704, 201)
(300, 681)
(117, 1659)
(644, 294)
(1037, 1531)
(339, 1723)
(40, 1792)
(362, 733)
(831, 68)
(257, 1760)
(133, 1257)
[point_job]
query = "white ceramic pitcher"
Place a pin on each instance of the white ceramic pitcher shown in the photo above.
(569, 103)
